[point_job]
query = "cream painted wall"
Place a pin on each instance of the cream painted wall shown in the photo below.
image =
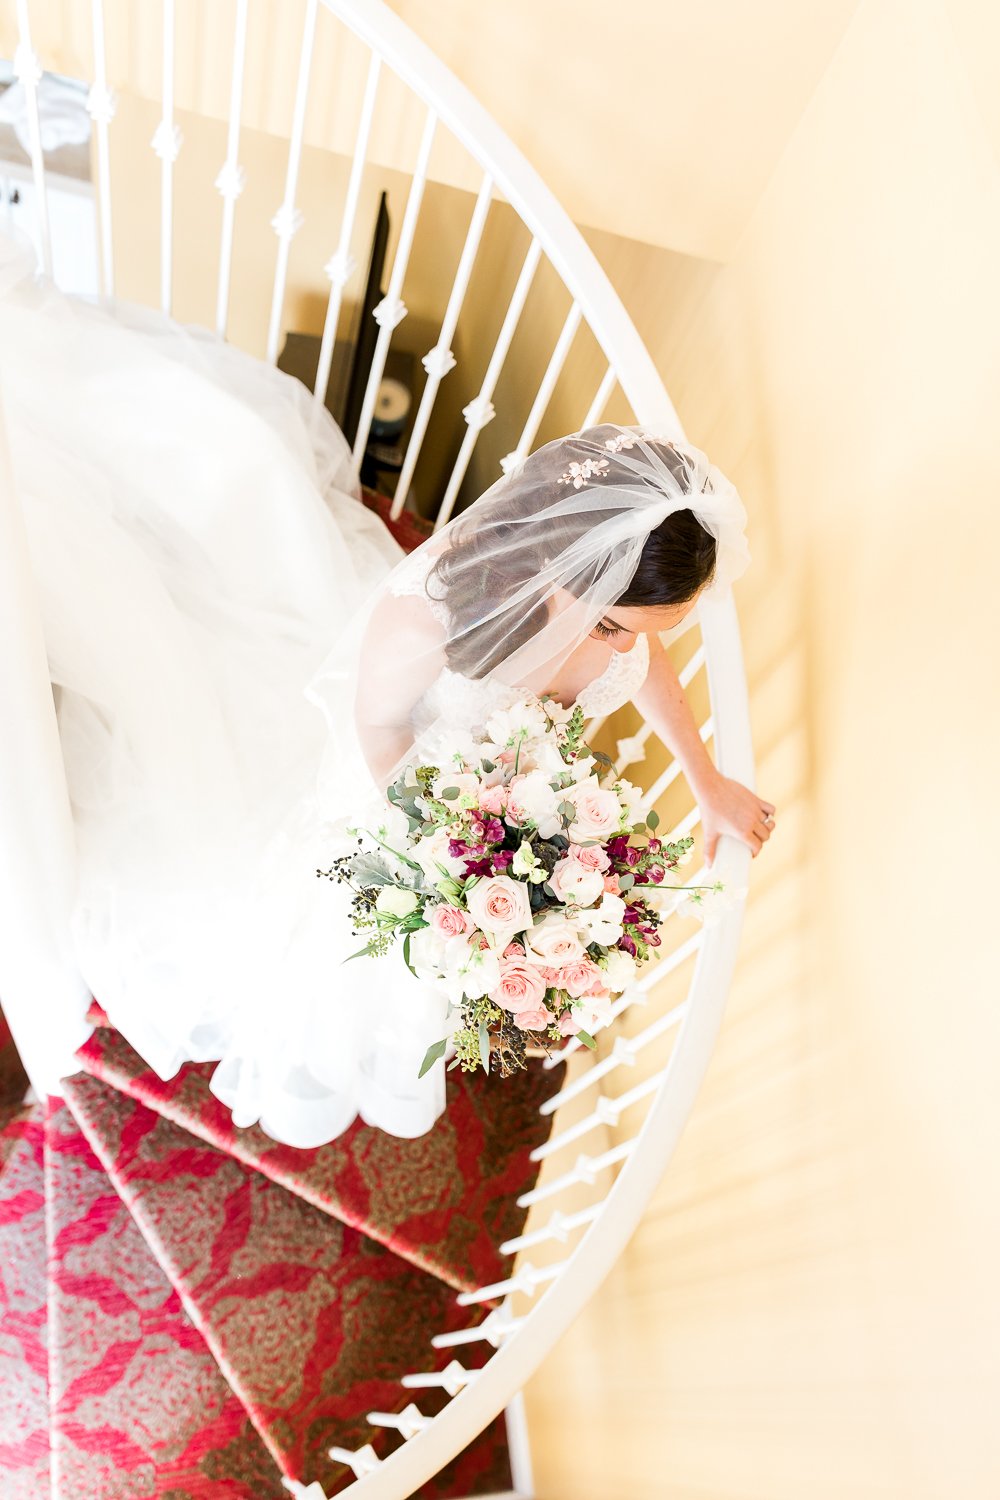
(678, 111)
(810, 1309)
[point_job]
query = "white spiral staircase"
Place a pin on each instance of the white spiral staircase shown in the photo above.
(619, 1116)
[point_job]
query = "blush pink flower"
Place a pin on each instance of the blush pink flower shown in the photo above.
(500, 905)
(568, 1024)
(580, 977)
(449, 921)
(611, 884)
(598, 811)
(514, 950)
(592, 856)
(521, 988)
(534, 1020)
(493, 800)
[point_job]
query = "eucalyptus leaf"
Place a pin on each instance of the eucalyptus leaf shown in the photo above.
(626, 882)
(653, 820)
(432, 1054)
(587, 1040)
(450, 793)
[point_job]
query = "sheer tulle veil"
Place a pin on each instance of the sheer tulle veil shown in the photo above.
(509, 587)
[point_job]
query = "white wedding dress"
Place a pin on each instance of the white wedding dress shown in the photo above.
(198, 542)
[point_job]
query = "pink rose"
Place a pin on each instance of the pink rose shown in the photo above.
(590, 855)
(493, 799)
(449, 921)
(611, 884)
(568, 1024)
(598, 811)
(552, 942)
(514, 950)
(500, 905)
(534, 1020)
(572, 880)
(521, 987)
(580, 977)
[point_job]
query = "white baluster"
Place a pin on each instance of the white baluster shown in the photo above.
(101, 106)
(166, 143)
(439, 360)
(232, 178)
(28, 70)
(660, 785)
(527, 1278)
(559, 1227)
(288, 219)
(499, 1325)
(585, 1170)
(340, 266)
(624, 1052)
(632, 995)
(453, 1378)
(605, 1112)
(600, 400)
(392, 309)
(408, 1422)
(314, 1491)
(362, 1460)
(480, 410)
(544, 394)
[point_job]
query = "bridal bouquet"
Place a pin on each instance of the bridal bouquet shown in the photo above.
(517, 881)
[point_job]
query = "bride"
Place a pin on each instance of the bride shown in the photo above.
(241, 656)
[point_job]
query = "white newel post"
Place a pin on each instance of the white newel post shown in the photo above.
(41, 990)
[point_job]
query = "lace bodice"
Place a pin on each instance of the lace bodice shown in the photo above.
(467, 701)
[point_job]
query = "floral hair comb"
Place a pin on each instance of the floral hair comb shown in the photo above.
(596, 468)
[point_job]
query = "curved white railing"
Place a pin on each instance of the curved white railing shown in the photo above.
(585, 1146)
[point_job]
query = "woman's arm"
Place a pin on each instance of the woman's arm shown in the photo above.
(401, 655)
(727, 806)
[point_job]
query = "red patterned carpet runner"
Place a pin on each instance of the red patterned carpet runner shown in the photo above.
(24, 1400)
(444, 1201)
(311, 1322)
(138, 1405)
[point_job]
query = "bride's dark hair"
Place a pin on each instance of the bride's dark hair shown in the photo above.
(677, 559)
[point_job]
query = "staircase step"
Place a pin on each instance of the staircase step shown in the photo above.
(138, 1405)
(312, 1323)
(443, 1201)
(24, 1397)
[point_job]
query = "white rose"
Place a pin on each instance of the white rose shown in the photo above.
(396, 902)
(552, 941)
(534, 800)
(500, 906)
(427, 953)
(620, 970)
(431, 852)
(602, 924)
(598, 811)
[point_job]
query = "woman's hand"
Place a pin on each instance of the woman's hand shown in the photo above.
(727, 806)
